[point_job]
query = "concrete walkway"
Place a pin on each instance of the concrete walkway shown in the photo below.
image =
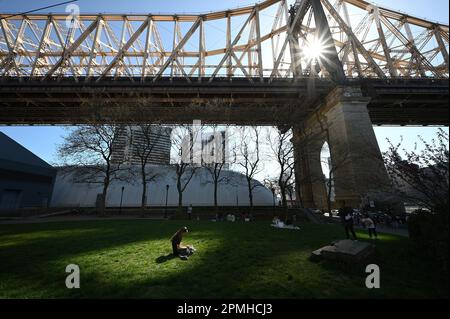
(388, 230)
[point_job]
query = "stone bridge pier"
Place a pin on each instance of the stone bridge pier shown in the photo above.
(358, 172)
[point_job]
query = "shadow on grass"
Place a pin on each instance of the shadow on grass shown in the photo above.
(125, 259)
(163, 259)
(114, 260)
(26, 249)
(243, 261)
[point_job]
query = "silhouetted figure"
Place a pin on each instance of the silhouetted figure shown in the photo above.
(189, 211)
(292, 11)
(178, 250)
(346, 215)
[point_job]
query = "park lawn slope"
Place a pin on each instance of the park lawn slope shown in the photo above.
(131, 259)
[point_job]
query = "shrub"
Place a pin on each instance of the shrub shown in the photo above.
(429, 233)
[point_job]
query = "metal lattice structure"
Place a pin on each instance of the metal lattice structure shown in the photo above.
(315, 38)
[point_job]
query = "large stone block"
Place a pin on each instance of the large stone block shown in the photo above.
(349, 251)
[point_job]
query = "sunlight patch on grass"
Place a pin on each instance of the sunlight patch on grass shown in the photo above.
(132, 259)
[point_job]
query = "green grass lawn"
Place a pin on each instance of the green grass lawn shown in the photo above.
(129, 258)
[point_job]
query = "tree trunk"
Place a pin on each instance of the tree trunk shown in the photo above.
(103, 201)
(283, 196)
(180, 201)
(250, 194)
(283, 200)
(144, 191)
(215, 196)
(180, 197)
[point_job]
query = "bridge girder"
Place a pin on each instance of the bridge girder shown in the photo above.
(268, 102)
(380, 44)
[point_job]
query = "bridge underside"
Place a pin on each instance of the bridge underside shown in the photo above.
(235, 101)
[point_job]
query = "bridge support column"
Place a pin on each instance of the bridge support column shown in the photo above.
(358, 172)
(310, 181)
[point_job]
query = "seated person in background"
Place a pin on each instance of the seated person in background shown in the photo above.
(275, 220)
(179, 250)
(277, 223)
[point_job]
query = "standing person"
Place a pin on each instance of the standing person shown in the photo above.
(189, 211)
(371, 227)
(346, 215)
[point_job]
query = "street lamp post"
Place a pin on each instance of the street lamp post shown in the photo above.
(121, 198)
(167, 194)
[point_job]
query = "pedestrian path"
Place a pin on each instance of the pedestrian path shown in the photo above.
(388, 230)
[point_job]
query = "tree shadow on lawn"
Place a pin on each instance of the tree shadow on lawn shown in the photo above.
(230, 256)
(38, 247)
(245, 266)
(232, 260)
(262, 271)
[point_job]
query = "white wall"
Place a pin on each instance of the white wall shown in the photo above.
(199, 192)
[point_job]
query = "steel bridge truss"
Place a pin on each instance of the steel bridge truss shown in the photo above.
(318, 38)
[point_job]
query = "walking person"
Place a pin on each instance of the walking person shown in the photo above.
(346, 215)
(371, 227)
(189, 211)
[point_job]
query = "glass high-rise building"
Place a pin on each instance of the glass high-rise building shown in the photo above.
(132, 141)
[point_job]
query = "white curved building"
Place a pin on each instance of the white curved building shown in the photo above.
(199, 192)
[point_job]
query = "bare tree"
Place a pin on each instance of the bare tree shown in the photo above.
(184, 139)
(144, 138)
(272, 184)
(282, 150)
(215, 171)
(88, 152)
(214, 158)
(247, 157)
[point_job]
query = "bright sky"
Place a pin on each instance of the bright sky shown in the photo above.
(433, 10)
(42, 140)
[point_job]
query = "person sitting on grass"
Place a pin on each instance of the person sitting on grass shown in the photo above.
(275, 220)
(179, 250)
(371, 227)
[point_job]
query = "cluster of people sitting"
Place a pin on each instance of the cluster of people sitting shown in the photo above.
(246, 217)
(278, 223)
